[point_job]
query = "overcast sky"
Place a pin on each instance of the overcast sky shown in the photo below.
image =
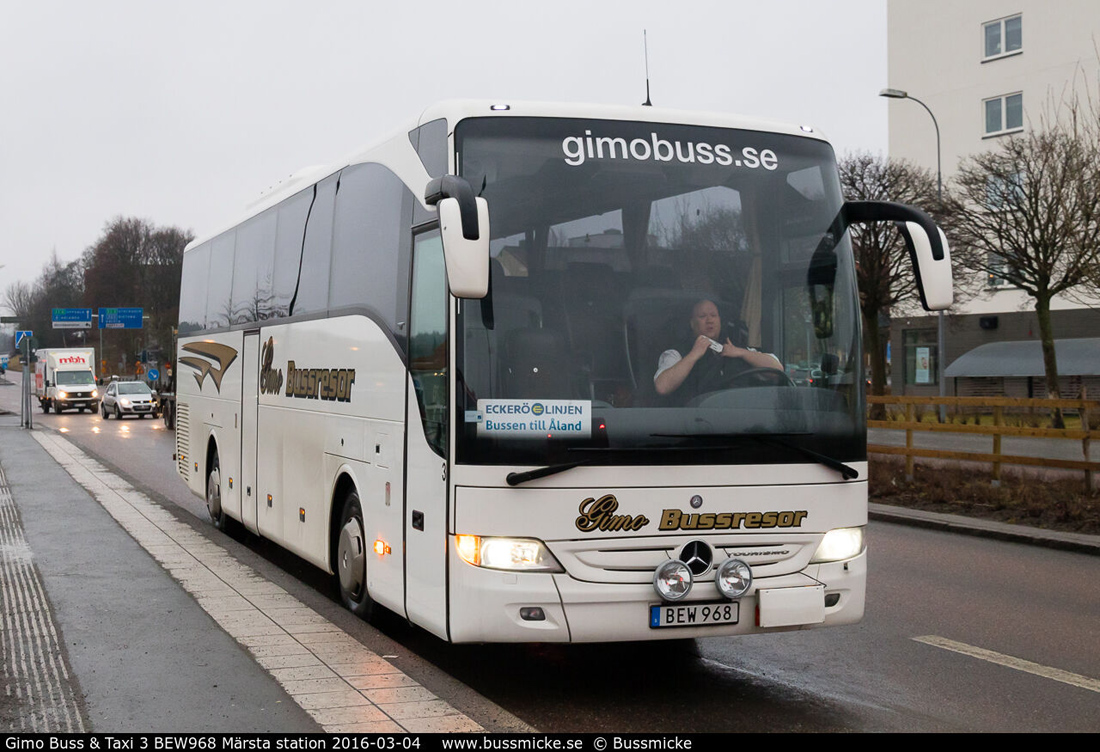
(182, 113)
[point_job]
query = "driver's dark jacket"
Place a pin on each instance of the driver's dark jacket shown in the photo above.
(711, 373)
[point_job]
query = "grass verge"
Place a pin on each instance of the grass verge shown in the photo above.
(1052, 504)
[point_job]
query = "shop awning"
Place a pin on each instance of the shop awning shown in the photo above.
(1076, 357)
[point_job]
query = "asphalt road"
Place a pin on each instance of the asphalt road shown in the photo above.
(961, 634)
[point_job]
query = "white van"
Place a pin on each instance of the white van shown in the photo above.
(65, 379)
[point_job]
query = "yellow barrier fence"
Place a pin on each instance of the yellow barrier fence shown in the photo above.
(996, 407)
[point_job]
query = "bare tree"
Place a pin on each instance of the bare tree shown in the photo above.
(1027, 212)
(136, 264)
(18, 298)
(884, 271)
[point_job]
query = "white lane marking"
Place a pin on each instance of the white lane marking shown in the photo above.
(348, 688)
(1066, 677)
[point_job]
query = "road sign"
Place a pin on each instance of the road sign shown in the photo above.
(153, 374)
(72, 318)
(19, 335)
(120, 318)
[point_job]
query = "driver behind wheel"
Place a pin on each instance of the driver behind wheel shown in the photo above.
(712, 360)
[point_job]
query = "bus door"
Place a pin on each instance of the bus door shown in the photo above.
(427, 438)
(250, 392)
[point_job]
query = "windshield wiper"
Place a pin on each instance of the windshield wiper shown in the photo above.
(514, 479)
(847, 471)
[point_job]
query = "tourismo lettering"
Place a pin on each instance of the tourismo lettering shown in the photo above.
(579, 148)
(332, 384)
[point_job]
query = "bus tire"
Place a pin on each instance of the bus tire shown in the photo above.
(214, 493)
(351, 558)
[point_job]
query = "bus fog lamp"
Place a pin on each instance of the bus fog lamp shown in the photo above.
(672, 580)
(733, 578)
(837, 545)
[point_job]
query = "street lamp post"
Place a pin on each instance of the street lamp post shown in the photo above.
(941, 345)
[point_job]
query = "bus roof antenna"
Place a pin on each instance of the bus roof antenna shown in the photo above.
(645, 45)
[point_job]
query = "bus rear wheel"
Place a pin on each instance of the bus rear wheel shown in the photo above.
(351, 559)
(214, 494)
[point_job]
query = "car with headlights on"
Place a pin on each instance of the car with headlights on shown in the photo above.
(128, 398)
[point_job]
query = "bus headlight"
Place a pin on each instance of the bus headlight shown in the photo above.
(839, 544)
(672, 580)
(514, 554)
(733, 578)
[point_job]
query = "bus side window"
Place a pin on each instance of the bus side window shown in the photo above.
(428, 337)
(312, 290)
(219, 306)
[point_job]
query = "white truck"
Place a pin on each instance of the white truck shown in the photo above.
(65, 379)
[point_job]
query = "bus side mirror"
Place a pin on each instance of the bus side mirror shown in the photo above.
(926, 243)
(464, 230)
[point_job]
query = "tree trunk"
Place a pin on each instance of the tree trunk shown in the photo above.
(872, 341)
(1050, 360)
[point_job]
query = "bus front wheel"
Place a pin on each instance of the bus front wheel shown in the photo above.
(351, 559)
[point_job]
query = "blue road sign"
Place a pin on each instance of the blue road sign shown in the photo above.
(19, 335)
(153, 374)
(72, 318)
(120, 318)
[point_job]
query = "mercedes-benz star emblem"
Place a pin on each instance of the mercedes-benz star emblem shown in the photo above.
(696, 501)
(697, 556)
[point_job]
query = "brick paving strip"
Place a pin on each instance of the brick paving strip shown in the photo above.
(344, 686)
(34, 680)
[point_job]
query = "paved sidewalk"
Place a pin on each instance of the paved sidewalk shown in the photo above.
(143, 656)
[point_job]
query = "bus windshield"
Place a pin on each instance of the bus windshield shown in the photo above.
(615, 247)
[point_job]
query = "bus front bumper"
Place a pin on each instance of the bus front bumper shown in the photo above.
(494, 606)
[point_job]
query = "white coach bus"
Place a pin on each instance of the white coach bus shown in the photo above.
(463, 421)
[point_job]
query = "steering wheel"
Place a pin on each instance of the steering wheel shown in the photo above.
(760, 377)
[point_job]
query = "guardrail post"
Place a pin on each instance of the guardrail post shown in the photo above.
(1086, 443)
(909, 443)
(998, 416)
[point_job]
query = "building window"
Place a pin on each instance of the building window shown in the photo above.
(921, 357)
(1003, 37)
(1004, 114)
(1003, 193)
(996, 266)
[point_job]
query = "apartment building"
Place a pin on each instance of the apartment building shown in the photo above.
(986, 69)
